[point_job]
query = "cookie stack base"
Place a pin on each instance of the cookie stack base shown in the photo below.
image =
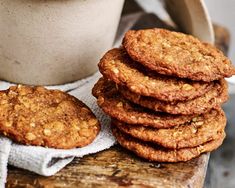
(159, 136)
(201, 129)
(160, 154)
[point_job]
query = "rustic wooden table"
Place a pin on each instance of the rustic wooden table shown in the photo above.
(118, 167)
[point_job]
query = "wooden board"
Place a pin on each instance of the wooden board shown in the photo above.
(118, 167)
(113, 168)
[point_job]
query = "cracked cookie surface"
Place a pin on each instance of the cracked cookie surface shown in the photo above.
(116, 65)
(50, 118)
(178, 54)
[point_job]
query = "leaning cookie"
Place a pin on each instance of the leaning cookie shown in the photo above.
(157, 153)
(201, 129)
(178, 54)
(50, 118)
(116, 106)
(116, 65)
(212, 99)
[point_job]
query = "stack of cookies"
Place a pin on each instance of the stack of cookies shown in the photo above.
(163, 91)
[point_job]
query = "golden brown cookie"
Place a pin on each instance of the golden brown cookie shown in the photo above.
(178, 54)
(116, 106)
(157, 153)
(117, 66)
(201, 129)
(50, 118)
(212, 99)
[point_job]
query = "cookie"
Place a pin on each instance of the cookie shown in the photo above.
(116, 106)
(178, 54)
(157, 153)
(117, 66)
(212, 99)
(201, 129)
(49, 118)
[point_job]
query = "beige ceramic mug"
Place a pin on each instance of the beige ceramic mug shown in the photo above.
(47, 42)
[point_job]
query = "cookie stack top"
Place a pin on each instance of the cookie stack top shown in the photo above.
(164, 90)
(160, 92)
(177, 54)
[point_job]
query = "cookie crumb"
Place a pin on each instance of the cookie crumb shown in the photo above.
(30, 136)
(47, 132)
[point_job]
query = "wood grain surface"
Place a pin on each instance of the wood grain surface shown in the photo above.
(118, 167)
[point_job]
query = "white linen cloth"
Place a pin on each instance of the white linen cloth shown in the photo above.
(46, 161)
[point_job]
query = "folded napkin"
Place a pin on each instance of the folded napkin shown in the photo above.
(46, 161)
